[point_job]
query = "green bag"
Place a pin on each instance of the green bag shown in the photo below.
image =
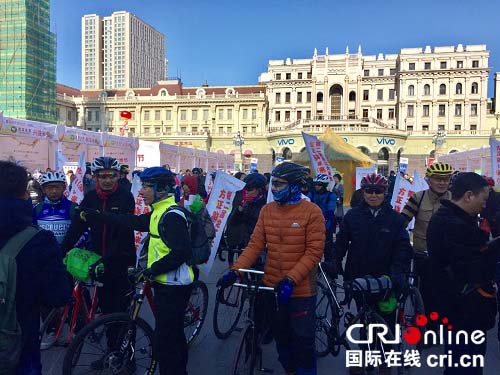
(78, 262)
(10, 331)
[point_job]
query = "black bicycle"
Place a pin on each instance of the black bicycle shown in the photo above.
(327, 312)
(364, 291)
(249, 351)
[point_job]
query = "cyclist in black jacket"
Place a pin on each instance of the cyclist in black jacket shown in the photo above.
(116, 245)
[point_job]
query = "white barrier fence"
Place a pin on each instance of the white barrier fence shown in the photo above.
(475, 160)
(34, 145)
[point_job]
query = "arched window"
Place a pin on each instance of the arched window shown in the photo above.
(442, 89)
(458, 89)
(411, 90)
(364, 150)
(287, 153)
(474, 88)
(163, 92)
(383, 154)
(427, 90)
(352, 96)
(319, 97)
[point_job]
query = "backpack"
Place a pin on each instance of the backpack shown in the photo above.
(10, 331)
(201, 231)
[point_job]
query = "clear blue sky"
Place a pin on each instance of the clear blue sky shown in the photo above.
(229, 42)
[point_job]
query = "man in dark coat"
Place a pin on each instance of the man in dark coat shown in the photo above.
(41, 276)
(463, 265)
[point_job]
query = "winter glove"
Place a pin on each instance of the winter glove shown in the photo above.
(96, 270)
(89, 215)
(228, 279)
(284, 289)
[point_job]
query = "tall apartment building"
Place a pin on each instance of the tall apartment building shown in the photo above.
(27, 60)
(120, 51)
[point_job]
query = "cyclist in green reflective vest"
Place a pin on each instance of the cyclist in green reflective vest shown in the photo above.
(167, 265)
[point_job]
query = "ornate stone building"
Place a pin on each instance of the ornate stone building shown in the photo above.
(418, 104)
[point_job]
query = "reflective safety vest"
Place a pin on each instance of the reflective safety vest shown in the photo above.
(158, 249)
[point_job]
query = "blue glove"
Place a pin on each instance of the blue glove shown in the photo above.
(284, 289)
(228, 279)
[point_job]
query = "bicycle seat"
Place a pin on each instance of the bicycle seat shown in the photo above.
(372, 285)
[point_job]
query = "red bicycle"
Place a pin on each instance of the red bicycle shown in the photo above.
(61, 324)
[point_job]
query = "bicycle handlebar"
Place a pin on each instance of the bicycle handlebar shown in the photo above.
(268, 288)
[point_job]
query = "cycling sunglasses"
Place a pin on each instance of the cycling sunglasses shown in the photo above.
(374, 190)
(110, 174)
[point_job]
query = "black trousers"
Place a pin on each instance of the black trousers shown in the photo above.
(425, 286)
(171, 345)
(328, 254)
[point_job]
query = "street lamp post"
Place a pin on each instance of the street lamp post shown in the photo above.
(239, 141)
(438, 140)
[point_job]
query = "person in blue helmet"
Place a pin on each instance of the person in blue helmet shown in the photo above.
(327, 201)
(169, 250)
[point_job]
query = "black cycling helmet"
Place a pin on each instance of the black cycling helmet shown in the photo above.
(124, 169)
(255, 181)
(105, 163)
(291, 172)
(197, 170)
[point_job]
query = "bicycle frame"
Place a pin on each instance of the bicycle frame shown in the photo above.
(77, 302)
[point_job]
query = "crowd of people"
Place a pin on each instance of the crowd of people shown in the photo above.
(454, 248)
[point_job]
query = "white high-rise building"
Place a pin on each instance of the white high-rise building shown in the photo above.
(120, 51)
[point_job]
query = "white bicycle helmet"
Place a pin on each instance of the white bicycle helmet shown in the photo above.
(105, 163)
(321, 178)
(52, 177)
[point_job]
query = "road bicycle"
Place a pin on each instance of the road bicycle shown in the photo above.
(124, 342)
(248, 350)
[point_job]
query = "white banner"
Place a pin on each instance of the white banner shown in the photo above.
(140, 208)
(315, 149)
(495, 160)
(362, 172)
(76, 192)
(219, 207)
(404, 189)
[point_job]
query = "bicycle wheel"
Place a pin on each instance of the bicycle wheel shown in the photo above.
(407, 312)
(196, 311)
(227, 314)
(112, 344)
(245, 358)
(372, 317)
(324, 315)
(48, 328)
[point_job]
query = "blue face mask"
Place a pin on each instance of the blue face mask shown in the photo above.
(290, 194)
